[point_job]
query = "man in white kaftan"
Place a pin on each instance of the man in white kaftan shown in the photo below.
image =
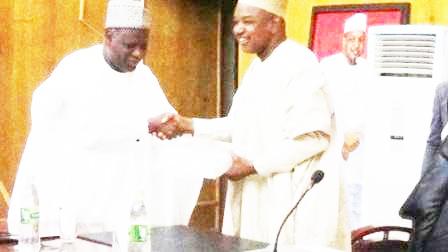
(89, 149)
(347, 74)
(276, 120)
(279, 127)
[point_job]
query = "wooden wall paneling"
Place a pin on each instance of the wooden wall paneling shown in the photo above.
(5, 97)
(228, 82)
(91, 28)
(208, 214)
(31, 36)
(35, 35)
(228, 57)
(183, 53)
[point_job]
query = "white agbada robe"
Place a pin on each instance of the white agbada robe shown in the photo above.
(82, 151)
(346, 86)
(278, 103)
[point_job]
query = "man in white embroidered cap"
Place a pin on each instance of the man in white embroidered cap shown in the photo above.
(347, 76)
(126, 38)
(279, 129)
(89, 124)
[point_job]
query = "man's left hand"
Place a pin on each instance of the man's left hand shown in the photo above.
(240, 168)
(351, 142)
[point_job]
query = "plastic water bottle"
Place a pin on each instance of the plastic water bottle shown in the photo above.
(139, 227)
(29, 239)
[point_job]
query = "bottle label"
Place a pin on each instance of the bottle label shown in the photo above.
(29, 216)
(139, 233)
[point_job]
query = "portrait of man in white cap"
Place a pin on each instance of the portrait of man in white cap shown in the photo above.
(279, 128)
(347, 73)
(86, 120)
(354, 37)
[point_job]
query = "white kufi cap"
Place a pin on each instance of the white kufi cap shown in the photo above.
(357, 22)
(277, 7)
(126, 14)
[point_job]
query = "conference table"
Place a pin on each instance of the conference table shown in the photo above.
(163, 239)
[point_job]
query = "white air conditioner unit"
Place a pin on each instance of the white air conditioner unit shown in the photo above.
(408, 62)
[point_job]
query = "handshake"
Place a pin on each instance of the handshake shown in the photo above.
(168, 126)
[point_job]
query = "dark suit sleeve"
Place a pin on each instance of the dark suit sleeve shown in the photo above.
(437, 122)
(424, 204)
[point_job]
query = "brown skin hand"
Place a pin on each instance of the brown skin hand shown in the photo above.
(168, 126)
(240, 169)
(351, 143)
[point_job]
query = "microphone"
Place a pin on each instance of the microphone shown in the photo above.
(315, 178)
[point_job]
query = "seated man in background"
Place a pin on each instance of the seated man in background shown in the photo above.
(88, 149)
(427, 206)
(279, 128)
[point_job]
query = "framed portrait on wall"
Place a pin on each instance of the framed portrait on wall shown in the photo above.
(327, 22)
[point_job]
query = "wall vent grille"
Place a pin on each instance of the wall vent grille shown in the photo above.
(404, 55)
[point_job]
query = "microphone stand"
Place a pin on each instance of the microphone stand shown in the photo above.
(315, 178)
(287, 216)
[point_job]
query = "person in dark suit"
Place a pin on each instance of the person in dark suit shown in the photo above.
(438, 122)
(427, 206)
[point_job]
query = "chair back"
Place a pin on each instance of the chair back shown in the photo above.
(364, 241)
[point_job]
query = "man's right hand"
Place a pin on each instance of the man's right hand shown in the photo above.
(168, 126)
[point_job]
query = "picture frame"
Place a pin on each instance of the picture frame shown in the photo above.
(327, 22)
